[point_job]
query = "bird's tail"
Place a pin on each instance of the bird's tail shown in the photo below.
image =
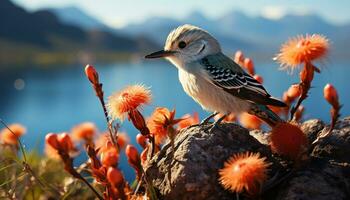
(265, 114)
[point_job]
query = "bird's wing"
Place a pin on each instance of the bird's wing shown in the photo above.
(226, 74)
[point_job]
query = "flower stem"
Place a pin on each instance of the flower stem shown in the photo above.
(99, 94)
(306, 77)
(26, 166)
(90, 186)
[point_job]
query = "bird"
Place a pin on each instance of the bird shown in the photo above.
(213, 79)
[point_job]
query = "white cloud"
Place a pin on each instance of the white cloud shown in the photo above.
(273, 12)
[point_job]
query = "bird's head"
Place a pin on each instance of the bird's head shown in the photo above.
(186, 44)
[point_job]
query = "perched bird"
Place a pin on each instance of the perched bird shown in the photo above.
(212, 79)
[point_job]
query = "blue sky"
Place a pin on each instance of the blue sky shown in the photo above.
(118, 13)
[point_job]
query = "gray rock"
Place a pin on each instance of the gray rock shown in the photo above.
(192, 171)
(312, 128)
(335, 146)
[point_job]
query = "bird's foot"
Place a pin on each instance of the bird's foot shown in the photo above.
(216, 125)
(207, 119)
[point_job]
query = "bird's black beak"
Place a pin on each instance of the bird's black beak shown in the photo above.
(160, 54)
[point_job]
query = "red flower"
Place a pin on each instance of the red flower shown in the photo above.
(127, 100)
(160, 122)
(244, 171)
(302, 50)
(289, 140)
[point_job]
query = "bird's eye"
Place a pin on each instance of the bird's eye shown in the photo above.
(182, 44)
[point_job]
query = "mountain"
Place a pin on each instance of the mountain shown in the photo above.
(157, 28)
(75, 16)
(33, 28)
(24, 35)
(256, 34)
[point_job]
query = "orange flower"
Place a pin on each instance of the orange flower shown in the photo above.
(11, 137)
(244, 171)
(289, 140)
(128, 99)
(250, 121)
(302, 50)
(84, 131)
(188, 120)
(331, 95)
(160, 122)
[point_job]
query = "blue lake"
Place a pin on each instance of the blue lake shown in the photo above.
(55, 99)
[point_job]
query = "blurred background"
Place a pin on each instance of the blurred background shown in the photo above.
(45, 44)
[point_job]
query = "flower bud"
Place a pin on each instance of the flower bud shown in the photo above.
(250, 121)
(331, 95)
(249, 65)
(141, 140)
(122, 140)
(65, 142)
(239, 57)
(132, 155)
(139, 121)
(115, 177)
(92, 74)
(258, 78)
(294, 91)
(110, 157)
(51, 139)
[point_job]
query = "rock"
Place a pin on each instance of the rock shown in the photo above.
(261, 136)
(312, 128)
(198, 157)
(319, 180)
(335, 146)
(192, 171)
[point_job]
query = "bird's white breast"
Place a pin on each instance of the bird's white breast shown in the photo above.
(209, 96)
